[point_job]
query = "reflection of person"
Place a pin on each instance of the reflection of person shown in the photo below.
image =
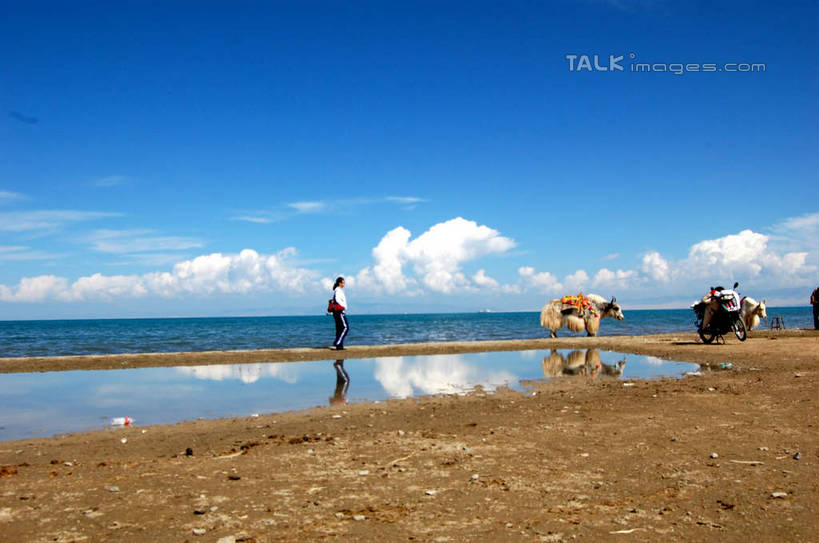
(340, 314)
(814, 301)
(342, 383)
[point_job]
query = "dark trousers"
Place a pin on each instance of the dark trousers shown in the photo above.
(816, 316)
(341, 328)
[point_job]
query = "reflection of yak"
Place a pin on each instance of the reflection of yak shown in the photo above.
(579, 363)
(578, 313)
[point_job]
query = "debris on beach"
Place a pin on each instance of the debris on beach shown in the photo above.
(122, 421)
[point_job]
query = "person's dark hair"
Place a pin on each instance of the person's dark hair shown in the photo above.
(338, 282)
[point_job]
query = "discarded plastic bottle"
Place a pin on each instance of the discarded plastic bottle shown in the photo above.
(121, 421)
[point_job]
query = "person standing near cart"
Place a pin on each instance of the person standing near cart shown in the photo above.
(340, 314)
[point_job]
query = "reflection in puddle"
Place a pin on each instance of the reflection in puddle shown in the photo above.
(586, 363)
(342, 383)
(246, 373)
(403, 377)
(42, 404)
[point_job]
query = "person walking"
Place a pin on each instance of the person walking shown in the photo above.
(814, 301)
(340, 314)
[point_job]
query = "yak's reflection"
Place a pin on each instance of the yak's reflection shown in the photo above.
(586, 363)
(342, 383)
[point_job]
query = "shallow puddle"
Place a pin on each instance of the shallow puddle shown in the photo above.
(46, 404)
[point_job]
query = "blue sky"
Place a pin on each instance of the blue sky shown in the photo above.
(206, 159)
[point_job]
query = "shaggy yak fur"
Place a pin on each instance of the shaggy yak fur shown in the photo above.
(554, 316)
(752, 311)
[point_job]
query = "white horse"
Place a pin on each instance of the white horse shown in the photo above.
(751, 311)
(576, 318)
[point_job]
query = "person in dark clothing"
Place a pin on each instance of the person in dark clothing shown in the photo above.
(814, 301)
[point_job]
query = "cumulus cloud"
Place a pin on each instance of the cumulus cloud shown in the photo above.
(578, 281)
(541, 281)
(744, 255)
(35, 289)
(606, 278)
(435, 257)
(656, 267)
(482, 280)
(216, 273)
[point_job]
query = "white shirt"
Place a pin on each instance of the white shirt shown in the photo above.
(338, 295)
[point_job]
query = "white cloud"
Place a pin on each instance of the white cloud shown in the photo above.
(744, 256)
(482, 280)
(435, 257)
(253, 219)
(137, 241)
(541, 281)
(612, 256)
(606, 278)
(35, 289)
(337, 205)
(804, 223)
(656, 267)
(308, 207)
(7, 195)
(578, 281)
(23, 221)
(22, 253)
(216, 273)
(405, 199)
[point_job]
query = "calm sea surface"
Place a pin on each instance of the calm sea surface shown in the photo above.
(109, 336)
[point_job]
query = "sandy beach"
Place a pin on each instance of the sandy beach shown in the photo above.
(727, 455)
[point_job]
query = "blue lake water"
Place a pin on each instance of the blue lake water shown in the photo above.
(46, 404)
(109, 336)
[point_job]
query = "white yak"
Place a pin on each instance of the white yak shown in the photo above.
(751, 311)
(578, 313)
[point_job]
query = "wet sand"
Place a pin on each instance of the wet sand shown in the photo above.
(724, 456)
